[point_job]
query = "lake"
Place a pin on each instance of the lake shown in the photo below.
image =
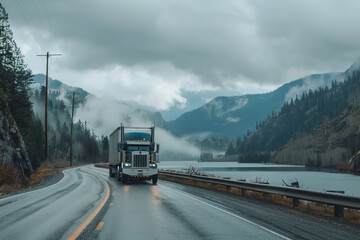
(309, 178)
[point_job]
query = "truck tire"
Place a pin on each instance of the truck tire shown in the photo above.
(123, 178)
(111, 174)
(117, 174)
(154, 179)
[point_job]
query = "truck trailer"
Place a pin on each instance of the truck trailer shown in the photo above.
(132, 154)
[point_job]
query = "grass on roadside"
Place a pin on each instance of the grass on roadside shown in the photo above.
(10, 183)
(8, 179)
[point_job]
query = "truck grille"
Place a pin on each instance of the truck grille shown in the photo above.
(140, 161)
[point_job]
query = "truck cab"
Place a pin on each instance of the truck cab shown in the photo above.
(134, 155)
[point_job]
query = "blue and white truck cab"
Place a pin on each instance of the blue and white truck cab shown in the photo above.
(132, 154)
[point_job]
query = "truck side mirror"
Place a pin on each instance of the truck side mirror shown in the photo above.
(121, 146)
(157, 148)
(152, 146)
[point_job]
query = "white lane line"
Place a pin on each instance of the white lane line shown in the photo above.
(232, 214)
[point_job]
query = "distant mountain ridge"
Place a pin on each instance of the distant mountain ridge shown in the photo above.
(235, 116)
(39, 80)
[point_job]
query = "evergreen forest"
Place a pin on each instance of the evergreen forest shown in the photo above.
(297, 118)
(27, 108)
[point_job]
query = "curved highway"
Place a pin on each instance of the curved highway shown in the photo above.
(140, 210)
(51, 212)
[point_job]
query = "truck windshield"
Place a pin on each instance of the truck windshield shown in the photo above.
(137, 136)
(138, 148)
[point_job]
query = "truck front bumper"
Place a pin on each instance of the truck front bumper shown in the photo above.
(140, 172)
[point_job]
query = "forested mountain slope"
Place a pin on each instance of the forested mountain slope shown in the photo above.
(234, 116)
(15, 108)
(320, 128)
(62, 88)
(328, 145)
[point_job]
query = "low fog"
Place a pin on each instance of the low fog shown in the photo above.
(105, 115)
(313, 83)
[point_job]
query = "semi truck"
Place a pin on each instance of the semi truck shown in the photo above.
(132, 154)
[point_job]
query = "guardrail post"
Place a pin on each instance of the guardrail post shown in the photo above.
(243, 192)
(338, 211)
(296, 202)
(265, 195)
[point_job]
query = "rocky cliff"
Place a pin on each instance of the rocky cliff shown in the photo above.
(13, 154)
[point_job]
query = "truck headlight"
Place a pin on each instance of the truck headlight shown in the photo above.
(127, 164)
(153, 165)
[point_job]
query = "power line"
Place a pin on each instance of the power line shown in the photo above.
(7, 7)
(22, 14)
(28, 21)
(38, 13)
(24, 10)
(46, 14)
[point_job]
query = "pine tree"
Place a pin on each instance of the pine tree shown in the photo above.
(105, 149)
(15, 79)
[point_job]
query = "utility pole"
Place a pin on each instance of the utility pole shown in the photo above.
(85, 143)
(46, 99)
(93, 147)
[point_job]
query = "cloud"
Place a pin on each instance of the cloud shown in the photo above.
(313, 83)
(231, 119)
(312, 36)
(218, 108)
(172, 144)
(105, 115)
(187, 45)
(136, 84)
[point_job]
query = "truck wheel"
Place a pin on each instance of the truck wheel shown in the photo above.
(123, 178)
(117, 174)
(110, 172)
(154, 179)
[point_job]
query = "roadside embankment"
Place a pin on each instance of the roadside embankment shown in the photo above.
(43, 176)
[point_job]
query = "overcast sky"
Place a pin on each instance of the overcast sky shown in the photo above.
(149, 51)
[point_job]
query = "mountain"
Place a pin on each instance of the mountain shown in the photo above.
(85, 101)
(327, 145)
(319, 129)
(194, 100)
(236, 116)
(56, 85)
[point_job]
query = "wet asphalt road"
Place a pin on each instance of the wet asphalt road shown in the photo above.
(52, 212)
(140, 210)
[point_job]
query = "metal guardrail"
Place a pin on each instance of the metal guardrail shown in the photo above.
(339, 201)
